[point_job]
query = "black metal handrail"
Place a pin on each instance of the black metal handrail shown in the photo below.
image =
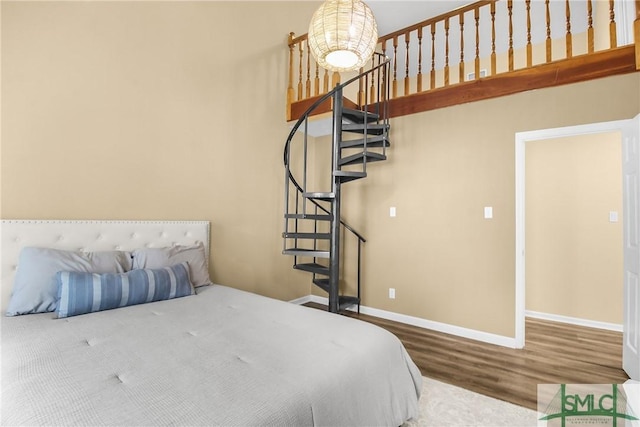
(304, 119)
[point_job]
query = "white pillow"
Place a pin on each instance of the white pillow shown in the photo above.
(166, 257)
(35, 289)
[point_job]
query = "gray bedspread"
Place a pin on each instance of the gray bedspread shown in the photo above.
(221, 357)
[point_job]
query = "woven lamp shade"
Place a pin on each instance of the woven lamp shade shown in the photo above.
(342, 34)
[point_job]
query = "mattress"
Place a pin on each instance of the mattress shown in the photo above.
(220, 357)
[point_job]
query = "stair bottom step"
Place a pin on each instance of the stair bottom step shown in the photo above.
(344, 302)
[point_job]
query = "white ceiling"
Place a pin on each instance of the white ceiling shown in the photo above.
(393, 15)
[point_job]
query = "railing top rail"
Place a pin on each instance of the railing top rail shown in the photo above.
(435, 19)
(476, 5)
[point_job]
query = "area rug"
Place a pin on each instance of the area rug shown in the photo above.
(447, 405)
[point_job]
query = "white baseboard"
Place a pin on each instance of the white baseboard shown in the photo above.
(302, 300)
(574, 321)
(464, 332)
(426, 324)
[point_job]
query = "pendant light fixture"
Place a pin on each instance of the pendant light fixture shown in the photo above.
(342, 34)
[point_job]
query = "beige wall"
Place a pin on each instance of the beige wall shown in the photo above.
(573, 252)
(154, 110)
(445, 261)
(167, 110)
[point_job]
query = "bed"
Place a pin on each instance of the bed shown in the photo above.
(217, 356)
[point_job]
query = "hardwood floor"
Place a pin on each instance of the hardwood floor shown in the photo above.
(554, 353)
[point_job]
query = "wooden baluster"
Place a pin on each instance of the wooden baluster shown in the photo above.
(612, 26)
(568, 38)
(300, 52)
(433, 57)
(548, 41)
(325, 81)
(477, 61)
(529, 48)
(394, 93)
(493, 38)
(590, 42)
(510, 9)
(461, 73)
(407, 84)
(381, 89)
(372, 91)
(362, 99)
(308, 82)
(316, 81)
(335, 79)
(290, 91)
(419, 86)
(446, 51)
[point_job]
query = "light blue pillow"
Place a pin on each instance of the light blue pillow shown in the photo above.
(35, 288)
(80, 293)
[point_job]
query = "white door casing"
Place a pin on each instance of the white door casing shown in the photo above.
(631, 227)
(521, 138)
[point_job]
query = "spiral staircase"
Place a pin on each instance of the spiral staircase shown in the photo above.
(313, 226)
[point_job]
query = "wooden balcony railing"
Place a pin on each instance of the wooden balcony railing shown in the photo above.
(488, 49)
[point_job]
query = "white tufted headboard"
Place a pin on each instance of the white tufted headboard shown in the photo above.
(90, 236)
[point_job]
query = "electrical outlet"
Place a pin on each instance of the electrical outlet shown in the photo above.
(392, 293)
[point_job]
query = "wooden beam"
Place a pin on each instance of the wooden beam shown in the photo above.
(612, 62)
(298, 108)
(577, 69)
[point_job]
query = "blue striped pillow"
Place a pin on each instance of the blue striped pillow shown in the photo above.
(80, 293)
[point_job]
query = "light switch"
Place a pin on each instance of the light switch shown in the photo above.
(488, 212)
(613, 216)
(392, 211)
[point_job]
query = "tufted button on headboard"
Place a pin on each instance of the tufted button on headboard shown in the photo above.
(90, 236)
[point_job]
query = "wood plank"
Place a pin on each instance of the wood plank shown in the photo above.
(554, 353)
(298, 108)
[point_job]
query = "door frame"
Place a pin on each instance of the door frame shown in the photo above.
(520, 143)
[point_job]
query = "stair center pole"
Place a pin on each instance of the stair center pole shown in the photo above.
(334, 260)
